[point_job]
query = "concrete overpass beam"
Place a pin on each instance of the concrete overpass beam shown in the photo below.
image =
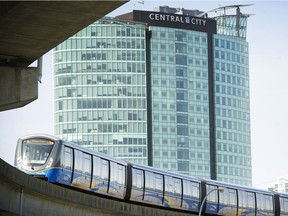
(18, 86)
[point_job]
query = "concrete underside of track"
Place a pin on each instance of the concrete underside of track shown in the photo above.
(21, 194)
(29, 29)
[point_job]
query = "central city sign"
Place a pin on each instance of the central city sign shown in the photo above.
(175, 21)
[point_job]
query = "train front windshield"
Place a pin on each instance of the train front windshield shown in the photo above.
(35, 152)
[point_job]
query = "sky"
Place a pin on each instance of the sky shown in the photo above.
(268, 58)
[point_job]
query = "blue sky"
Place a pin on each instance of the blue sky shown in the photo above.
(268, 57)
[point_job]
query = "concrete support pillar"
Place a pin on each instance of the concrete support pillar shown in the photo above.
(18, 86)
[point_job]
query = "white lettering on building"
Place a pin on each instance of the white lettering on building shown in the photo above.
(177, 19)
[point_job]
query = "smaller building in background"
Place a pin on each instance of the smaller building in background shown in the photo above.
(281, 186)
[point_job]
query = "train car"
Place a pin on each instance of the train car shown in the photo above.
(65, 163)
(71, 165)
(232, 200)
(281, 204)
(165, 189)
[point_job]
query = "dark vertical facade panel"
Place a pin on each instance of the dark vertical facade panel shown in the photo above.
(213, 174)
(149, 98)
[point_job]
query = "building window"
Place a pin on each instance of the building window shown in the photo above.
(182, 118)
(182, 130)
(181, 59)
(183, 154)
(182, 106)
(183, 166)
(181, 95)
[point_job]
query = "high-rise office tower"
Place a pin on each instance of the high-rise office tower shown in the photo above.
(166, 88)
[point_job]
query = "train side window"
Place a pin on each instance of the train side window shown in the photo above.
(87, 164)
(177, 187)
(96, 167)
(196, 190)
(233, 197)
(173, 186)
(154, 185)
(104, 169)
(100, 168)
(213, 197)
(242, 198)
(283, 204)
(137, 178)
(67, 162)
(117, 179)
(191, 189)
(269, 202)
(149, 181)
(191, 195)
(260, 201)
(100, 175)
(246, 199)
(264, 202)
(78, 161)
(169, 187)
(117, 173)
(228, 196)
(251, 200)
(173, 191)
(159, 183)
(137, 184)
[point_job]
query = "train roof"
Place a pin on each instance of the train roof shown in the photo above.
(165, 172)
(240, 187)
(283, 194)
(40, 135)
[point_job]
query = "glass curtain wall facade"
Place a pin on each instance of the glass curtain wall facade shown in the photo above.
(232, 109)
(100, 89)
(180, 104)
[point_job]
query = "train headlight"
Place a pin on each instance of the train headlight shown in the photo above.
(50, 162)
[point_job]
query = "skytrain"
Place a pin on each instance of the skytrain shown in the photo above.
(70, 165)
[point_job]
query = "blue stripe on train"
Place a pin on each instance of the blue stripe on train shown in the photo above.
(192, 204)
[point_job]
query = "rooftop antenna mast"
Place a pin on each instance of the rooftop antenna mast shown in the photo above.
(138, 3)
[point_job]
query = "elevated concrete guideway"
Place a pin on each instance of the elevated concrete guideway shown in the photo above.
(23, 195)
(29, 29)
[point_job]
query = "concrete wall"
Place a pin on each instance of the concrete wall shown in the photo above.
(21, 194)
(29, 29)
(18, 86)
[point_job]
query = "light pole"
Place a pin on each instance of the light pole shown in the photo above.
(205, 198)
